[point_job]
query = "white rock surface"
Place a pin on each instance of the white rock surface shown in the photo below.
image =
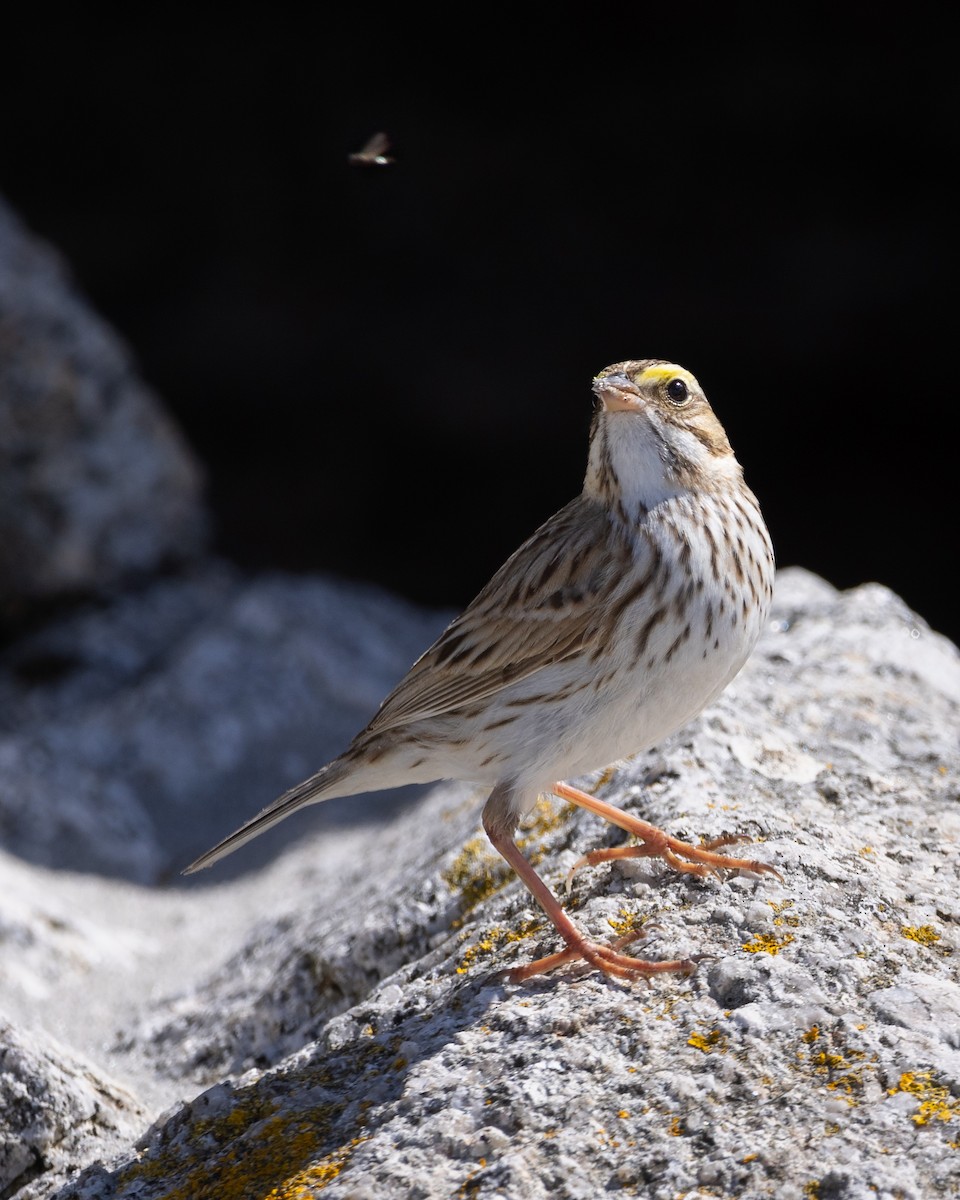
(327, 1023)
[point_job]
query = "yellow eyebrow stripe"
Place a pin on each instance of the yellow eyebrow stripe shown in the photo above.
(665, 372)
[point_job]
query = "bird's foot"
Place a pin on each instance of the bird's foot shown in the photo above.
(607, 959)
(654, 843)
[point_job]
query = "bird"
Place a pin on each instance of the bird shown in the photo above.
(613, 625)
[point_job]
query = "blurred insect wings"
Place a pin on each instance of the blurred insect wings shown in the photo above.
(373, 154)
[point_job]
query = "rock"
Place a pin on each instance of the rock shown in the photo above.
(133, 733)
(333, 1014)
(56, 1110)
(97, 486)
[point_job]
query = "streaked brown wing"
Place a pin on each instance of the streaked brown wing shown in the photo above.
(540, 607)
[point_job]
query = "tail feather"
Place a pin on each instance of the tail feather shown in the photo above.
(324, 785)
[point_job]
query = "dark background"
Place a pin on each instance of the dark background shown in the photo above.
(387, 370)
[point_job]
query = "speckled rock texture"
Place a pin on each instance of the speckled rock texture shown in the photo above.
(53, 1105)
(97, 486)
(327, 1022)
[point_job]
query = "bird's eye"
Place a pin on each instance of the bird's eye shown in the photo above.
(678, 392)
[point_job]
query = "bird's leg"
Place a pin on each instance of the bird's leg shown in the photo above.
(499, 822)
(682, 856)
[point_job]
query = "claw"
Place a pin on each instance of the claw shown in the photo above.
(702, 861)
(607, 959)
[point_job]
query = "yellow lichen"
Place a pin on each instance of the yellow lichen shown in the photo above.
(828, 1060)
(766, 943)
(713, 1041)
(476, 873)
(780, 909)
(471, 1185)
(844, 1069)
(544, 817)
(629, 922)
(935, 1100)
(924, 935)
(245, 1152)
(317, 1176)
(605, 1139)
(492, 939)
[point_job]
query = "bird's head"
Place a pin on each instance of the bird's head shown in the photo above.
(654, 435)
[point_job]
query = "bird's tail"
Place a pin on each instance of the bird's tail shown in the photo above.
(327, 783)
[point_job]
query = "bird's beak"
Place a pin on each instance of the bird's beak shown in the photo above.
(617, 393)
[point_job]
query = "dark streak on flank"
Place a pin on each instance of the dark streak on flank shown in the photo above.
(491, 725)
(678, 641)
(648, 627)
(714, 551)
